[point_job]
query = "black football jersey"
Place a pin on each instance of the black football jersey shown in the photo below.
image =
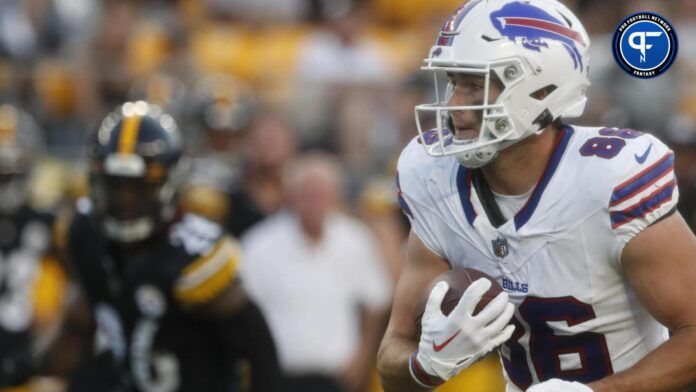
(142, 299)
(25, 238)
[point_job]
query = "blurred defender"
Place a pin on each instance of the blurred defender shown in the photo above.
(578, 224)
(25, 246)
(162, 288)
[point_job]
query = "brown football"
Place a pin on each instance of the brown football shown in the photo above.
(458, 281)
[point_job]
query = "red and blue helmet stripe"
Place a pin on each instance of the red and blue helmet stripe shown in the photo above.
(452, 23)
(533, 28)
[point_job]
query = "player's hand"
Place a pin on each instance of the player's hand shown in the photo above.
(557, 385)
(451, 343)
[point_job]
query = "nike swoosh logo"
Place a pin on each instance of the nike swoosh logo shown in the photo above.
(439, 347)
(640, 159)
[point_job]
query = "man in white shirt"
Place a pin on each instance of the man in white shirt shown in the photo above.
(317, 276)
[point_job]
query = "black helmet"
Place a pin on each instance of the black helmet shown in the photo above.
(20, 142)
(135, 171)
(223, 104)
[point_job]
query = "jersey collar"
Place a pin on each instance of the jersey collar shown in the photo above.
(464, 181)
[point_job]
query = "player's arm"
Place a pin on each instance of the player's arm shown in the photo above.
(660, 265)
(356, 375)
(447, 344)
(61, 353)
(64, 353)
(399, 341)
(239, 325)
(209, 289)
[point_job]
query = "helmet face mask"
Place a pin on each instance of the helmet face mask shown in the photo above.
(130, 206)
(543, 74)
(136, 172)
(493, 125)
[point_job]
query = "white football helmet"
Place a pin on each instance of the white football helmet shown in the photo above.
(530, 46)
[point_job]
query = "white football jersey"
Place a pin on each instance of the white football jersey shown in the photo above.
(559, 256)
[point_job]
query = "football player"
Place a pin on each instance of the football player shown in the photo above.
(170, 314)
(25, 247)
(578, 224)
(221, 112)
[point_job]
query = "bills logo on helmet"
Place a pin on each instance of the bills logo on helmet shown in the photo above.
(534, 27)
(451, 26)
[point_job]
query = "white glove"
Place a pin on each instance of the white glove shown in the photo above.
(557, 385)
(451, 343)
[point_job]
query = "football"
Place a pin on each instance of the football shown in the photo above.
(458, 281)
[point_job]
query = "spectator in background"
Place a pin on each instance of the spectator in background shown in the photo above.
(681, 137)
(318, 278)
(268, 148)
(66, 26)
(60, 90)
(337, 56)
(341, 53)
(17, 33)
(261, 11)
(238, 164)
(685, 24)
(219, 115)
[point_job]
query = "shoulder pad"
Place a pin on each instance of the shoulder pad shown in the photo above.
(214, 260)
(415, 167)
(646, 189)
(416, 173)
(196, 234)
(208, 275)
(637, 170)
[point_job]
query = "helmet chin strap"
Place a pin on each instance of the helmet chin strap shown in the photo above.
(482, 156)
(477, 158)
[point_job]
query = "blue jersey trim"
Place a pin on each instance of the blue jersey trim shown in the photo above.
(646, 206)
(643, 179)
(526, 212)
(464, 188)
(402, 201)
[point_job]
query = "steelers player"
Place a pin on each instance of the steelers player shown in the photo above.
(25, 249)
(160, 286)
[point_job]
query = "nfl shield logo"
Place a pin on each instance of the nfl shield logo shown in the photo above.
(500, 247)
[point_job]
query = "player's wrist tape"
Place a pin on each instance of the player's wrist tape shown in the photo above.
(420, 376)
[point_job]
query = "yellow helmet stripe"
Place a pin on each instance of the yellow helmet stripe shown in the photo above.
(129, 134)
